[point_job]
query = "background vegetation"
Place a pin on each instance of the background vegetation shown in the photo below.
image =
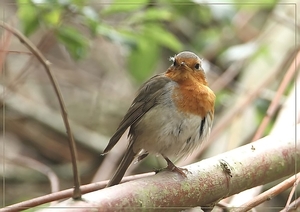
(101, 52)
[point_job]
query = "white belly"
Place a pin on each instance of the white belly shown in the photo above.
(162, 131)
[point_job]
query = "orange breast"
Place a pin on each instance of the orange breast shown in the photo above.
(198, 100)
(192, 95)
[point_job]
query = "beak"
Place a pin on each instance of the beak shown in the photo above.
(182, 64)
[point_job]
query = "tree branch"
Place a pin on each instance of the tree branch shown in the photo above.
(210, 180)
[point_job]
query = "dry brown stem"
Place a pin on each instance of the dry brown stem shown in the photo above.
(45, 63)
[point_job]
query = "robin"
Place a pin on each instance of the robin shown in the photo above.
(171, 115)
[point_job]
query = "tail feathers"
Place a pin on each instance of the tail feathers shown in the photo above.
(125, 163)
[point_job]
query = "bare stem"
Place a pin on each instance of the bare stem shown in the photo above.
(45, 63)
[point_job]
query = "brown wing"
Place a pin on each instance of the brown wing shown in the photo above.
(144, 101)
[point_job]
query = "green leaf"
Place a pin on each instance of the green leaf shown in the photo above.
(92, 25)
(52, 17)
(151, 15)
(75, 42)
(28, 16)
(90, 13)
(143, 59)
(79, 3)
(117, 36)
(124, 6)
(43, 2)
(162, 37)
(157, 15)
(255, 4)
(91, 19)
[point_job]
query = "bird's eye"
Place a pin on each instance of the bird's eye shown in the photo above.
(173, 60)
(197, 66)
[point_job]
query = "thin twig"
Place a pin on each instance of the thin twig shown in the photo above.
(24, 71)
(21, 160)
(227, 76)
(45, 63)
(4, 44)
(293, 206)
(286, 20)
(15, 52)
(288, 202)
(66, 194)
(275, 102)
(267, 195)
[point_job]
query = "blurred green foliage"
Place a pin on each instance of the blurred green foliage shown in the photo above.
(143, 27)
(54, 15)
(144, 35)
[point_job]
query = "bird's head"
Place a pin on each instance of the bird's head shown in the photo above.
(186, 66)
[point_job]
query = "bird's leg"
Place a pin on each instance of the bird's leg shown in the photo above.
(141, 157)
(174, 168)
